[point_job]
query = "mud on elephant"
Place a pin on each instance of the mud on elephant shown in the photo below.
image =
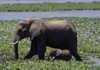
(59, 33)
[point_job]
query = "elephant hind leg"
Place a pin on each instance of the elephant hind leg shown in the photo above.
(73, 49)
(76, 55)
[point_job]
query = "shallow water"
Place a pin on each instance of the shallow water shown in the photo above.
(42, 1)
(95, 60)
(24, 15)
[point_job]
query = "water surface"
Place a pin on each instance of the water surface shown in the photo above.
(24, 15)
(95, 60)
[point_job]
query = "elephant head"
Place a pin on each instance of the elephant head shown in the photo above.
(54, 53)
(27, 28)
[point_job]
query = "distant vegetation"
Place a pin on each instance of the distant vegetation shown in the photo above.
(47, 6)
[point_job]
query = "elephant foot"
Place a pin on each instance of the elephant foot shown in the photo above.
(28, 56)
(41, 57)
(78, 59)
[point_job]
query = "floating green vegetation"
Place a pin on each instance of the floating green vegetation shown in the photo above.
(88, 33)
(47, 6)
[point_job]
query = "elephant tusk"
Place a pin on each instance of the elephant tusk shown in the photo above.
(14, 43)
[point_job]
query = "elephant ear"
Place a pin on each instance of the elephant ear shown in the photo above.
(58, 52)
(35, 26)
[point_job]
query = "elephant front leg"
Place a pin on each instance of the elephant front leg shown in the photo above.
(32, 51)
(41, 51)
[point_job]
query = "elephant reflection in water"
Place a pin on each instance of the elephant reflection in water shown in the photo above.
(59, 33)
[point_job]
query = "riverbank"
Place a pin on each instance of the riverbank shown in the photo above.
(47, 6)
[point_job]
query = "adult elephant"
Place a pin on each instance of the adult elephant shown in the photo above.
(59, 33)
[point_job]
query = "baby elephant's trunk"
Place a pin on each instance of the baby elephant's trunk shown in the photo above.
(48, 57)
(69, 56)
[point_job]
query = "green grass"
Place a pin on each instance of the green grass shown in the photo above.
(88, 31)
(47, 6)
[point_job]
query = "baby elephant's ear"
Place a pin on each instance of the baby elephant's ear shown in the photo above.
(58, 52)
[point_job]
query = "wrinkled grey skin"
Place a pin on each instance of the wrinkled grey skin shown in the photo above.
(59, 33)
(60, 54)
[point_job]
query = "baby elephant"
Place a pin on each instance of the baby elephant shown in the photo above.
(60, 54)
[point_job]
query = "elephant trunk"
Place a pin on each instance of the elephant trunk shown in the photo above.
(16, 50)
(15, 42)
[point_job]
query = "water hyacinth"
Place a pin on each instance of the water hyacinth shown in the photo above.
(4, 55)
(27, 49)
(26, 68)
(32, 68)
(29, 61)
(88, 36)
(24, 62)
(0, 38)
(52, 59)
(96, 42)
(98, 37)
(44, 61)
(8, 67)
